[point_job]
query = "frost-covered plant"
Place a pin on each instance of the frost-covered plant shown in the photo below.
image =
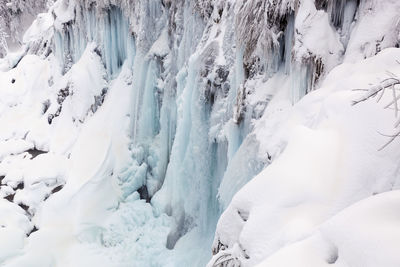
(391, 84)
(14, 13)
(226, 260)
(259, 25)
(204, 7)
(228, 257)
(3, 42)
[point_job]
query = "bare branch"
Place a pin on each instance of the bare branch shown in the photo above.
(360, 89)
(396, 109)
(397, 123)
(373, 91)
(392, 102)
(380, 94)
(379, 91)
(392, 138)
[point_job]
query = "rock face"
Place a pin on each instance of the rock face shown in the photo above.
(132, 125)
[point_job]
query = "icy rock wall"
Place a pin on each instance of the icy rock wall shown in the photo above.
(190, 63)
(171, 154)
(161, 141)
(187, 113)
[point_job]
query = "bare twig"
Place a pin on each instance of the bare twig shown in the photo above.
(397, 123)
(392, 102)
(379, 91)
(224, 258)
(392, 138)
(380, 94)
(373, 91)
(396, 109)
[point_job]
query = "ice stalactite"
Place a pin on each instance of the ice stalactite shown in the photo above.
(109, 30)
(342, 14)
(342, 11)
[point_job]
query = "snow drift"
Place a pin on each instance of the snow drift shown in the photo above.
(128, 127)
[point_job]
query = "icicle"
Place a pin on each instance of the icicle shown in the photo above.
(148, 124)
(348, 18)
(301, 79)
(342, 12)
(336, 10)
(289, 34)
(111, 33)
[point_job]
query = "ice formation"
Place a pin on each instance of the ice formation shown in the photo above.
(193, 133)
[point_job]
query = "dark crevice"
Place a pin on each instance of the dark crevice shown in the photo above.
(18, 61)
(24, 207)
(54, 190)
(20, 186)
(46, 106)
(144, 193)
(321, 4)
(57, 189)
(243, 214)
(36, 152)
(10, 197)
(32, 231)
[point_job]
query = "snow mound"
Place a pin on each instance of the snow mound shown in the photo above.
(354, 237)
(331, 160)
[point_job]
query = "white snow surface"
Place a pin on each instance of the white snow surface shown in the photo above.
(131, 130)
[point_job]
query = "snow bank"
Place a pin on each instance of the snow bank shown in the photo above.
(330, 162)
(354, 237)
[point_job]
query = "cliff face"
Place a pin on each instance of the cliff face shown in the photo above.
(129, 126)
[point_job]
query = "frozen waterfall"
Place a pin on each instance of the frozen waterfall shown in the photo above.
(167, 133)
